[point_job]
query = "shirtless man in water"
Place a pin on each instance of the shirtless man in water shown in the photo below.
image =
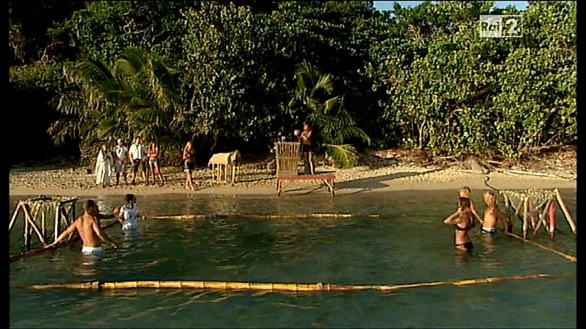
(493, 215)
(89, 229)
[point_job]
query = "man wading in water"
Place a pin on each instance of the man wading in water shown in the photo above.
(89, 229)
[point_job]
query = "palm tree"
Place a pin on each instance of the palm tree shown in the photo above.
(137, 96)
(333, 124)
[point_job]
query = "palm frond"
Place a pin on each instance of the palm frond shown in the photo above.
(343, 154)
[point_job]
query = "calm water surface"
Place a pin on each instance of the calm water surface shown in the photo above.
(407, 244)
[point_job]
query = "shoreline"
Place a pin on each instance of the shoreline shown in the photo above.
(362, 179)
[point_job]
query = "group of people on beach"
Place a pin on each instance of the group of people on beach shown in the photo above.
(117, 160)
(465, 217)
(90, 230)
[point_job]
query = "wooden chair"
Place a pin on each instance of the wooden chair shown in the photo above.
(287, 159)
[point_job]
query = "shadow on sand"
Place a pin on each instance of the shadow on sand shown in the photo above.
(374, 183)
(361, 185)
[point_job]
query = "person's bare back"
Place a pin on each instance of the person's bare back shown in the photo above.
(88, 227)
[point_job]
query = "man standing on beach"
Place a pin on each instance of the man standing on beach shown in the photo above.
(137, 156)
(307, 148)
(89, 229)
(120, 160)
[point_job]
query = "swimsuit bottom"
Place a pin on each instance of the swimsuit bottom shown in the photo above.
(92, 251)
(489, 230)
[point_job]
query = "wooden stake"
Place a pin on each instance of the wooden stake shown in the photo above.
(31, 222)
(26, 230)
(14, 217)
(542, 219)
(525, 219)
(291, 287)
(565, 210)
(57, 223)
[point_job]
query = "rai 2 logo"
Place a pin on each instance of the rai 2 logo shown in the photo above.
(501, 26)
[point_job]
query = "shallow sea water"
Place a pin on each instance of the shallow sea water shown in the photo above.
(407, 244)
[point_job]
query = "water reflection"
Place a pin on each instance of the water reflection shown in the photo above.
(88, 267)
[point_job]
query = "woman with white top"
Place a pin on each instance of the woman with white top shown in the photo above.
(103, 166)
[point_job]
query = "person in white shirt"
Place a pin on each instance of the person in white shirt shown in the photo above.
(120, 161)
(137, 156)
(128, 213)
(103, 166)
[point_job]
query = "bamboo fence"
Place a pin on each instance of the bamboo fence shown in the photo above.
(287, 287)
(36, 214)
(535, 207)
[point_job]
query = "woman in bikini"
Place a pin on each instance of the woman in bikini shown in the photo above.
(188, 159)
(466, 192)
(462, 220)
(154, 169)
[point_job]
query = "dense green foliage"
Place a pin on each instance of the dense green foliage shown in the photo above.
(244, 73)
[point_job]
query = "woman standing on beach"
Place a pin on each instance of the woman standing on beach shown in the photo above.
(462, 220)
(188, 159)
(103, 166)
(154, 169)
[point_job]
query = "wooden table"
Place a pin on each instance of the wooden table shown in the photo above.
(327, 179)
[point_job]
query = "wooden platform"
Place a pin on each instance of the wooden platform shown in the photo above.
(326, 179)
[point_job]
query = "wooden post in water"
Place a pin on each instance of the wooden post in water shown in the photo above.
(525, 217)
(565, 210)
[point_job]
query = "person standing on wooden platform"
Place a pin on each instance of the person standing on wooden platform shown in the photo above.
(307, 148)
(90, 231)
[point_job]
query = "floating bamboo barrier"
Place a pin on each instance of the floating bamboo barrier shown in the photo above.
(35, 252)
(265, 216)
(559, 253)
(290, 287)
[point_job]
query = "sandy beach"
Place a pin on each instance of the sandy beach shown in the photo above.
(394, 173)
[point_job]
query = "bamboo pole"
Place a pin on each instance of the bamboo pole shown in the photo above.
(525, 219)
(14, 217)
(559, 253)
(31, 221)
(542, 219)
(565, 210)
(26, 230)
(290, 287)
(57, 222)
(43, 228)
(264, 216)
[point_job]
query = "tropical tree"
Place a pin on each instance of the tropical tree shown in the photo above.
(333, 124)
(134, 97)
